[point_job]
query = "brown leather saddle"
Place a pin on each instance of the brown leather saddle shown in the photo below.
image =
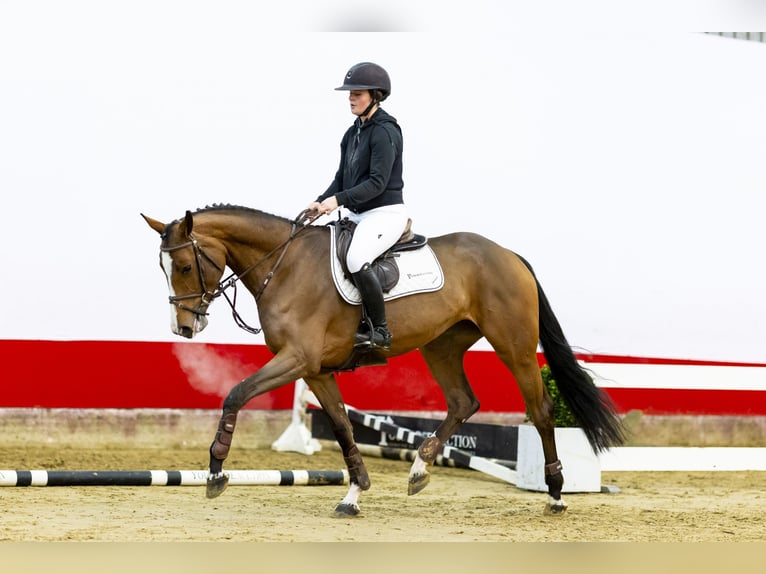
(387, 270)
(385, 266)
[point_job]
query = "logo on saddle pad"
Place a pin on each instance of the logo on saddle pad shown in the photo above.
(403, 272)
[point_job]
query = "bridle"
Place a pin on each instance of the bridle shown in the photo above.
(207, 297)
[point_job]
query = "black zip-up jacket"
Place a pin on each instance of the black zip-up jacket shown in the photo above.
(370, 171)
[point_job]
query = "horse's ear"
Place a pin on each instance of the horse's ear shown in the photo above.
(158, 226)
(189, 222)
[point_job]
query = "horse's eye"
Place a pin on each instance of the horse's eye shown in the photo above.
(187, 269)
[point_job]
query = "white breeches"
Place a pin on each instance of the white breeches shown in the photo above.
(376, 231)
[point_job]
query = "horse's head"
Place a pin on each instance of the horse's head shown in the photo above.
(193, 273)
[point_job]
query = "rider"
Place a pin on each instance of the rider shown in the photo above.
(369, 184)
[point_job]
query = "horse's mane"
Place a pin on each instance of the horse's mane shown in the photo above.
(228, 207)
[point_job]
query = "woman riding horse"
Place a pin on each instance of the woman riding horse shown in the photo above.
(369, 184)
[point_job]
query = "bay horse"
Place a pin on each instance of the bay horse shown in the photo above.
(489, 291)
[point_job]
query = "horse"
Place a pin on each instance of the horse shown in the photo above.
(488, 291)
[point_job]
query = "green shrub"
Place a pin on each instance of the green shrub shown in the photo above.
(562, 416)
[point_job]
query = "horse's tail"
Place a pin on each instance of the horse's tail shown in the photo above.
(591, 407)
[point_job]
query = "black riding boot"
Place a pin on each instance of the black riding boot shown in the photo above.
(372, 299)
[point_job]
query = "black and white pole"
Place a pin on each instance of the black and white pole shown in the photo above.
(409, 454)
(170, 477)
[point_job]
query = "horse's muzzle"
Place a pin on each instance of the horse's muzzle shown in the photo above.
(187, 332)
(184, 329)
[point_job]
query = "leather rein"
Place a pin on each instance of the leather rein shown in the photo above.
(206, 297)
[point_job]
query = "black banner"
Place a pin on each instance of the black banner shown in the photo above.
(479, 439)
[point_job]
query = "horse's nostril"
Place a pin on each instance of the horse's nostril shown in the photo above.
(186, 332)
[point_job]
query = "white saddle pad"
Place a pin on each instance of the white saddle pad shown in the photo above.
(419, 272)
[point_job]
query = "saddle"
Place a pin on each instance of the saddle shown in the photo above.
(385, 266)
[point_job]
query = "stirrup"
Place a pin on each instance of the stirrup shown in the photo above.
(375, 338)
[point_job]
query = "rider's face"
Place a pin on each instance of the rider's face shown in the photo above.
(359, 100)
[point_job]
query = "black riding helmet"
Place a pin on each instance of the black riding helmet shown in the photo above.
(368, 76)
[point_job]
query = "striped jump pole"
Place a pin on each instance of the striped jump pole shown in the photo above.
(409, 454)
(414, 438)
(170, 477)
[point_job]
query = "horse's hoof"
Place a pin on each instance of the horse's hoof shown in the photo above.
(555, 508)
(343, 510)
(418, 483)
(216, 484)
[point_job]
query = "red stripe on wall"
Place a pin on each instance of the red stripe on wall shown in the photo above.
(109, 374)
(623, 359)
(185, 375)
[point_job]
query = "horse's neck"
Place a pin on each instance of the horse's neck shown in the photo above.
(249, 237)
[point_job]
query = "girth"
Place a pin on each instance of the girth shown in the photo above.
(385, 266)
